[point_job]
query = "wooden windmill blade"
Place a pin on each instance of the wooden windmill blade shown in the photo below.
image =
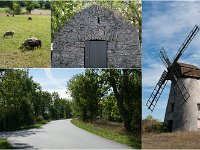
(155, 95)
(180, 89)
(164, 58)
(185, 43)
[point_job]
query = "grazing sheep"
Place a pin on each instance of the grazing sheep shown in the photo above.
(8, 15)
(29, 18)
(35, 43)
(8, 33)
(32, 43)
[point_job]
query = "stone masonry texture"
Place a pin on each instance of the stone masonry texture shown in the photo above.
(96, 23)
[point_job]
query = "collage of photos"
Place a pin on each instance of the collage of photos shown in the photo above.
(99, 74)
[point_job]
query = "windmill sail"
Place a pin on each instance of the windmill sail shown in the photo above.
(164, 58)
(186, 43)
(155, 95)
(179, 86)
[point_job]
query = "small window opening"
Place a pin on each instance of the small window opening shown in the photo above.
(198, 108)
(172, 107)
(98, 20)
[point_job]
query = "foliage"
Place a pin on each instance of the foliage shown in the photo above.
(61, 11)
(110, 111)
(16, 8)
(64, 10)
(22, 102)
(126, 86)
(30, 5)
(114, 94)
(152, 125)
(86, 93)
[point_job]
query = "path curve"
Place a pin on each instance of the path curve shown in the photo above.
(60, 134)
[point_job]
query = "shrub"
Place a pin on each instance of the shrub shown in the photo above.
(39, 119)
(152, 125)
(16, 9)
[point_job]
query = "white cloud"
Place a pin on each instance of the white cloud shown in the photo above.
(62, 93)
(49, 75)
(151, 74)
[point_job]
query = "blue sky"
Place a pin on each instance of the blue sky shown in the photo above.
(54, 79)
(166, 24)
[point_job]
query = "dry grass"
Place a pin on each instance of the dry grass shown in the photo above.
(114, 126)
(176, 140)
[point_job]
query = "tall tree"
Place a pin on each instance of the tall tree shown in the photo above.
(122, 83)
(86, 93)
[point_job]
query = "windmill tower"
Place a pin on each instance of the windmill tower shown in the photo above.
(183, 108)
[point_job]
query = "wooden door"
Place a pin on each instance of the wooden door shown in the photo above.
(96, 54)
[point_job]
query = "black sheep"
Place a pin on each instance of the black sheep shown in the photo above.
(35, 43)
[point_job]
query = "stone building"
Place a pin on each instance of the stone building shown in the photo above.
(184, 116)
(96, 37)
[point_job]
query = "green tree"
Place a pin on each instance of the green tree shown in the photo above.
(128, 100)
(31, 5)
(16, 8)
(110, 111)
(86, 93)
(14, 102)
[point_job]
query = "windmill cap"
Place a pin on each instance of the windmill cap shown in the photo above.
(186, 71)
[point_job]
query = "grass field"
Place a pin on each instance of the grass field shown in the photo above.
(110, 130)
(177, 140)
(10, 54)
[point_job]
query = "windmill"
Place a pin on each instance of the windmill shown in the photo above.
(179, 111)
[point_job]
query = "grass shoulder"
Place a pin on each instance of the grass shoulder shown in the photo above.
(36, 125)
(4, 144)
(110, 130)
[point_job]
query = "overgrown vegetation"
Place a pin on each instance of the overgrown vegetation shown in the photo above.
(23, 103)
(64, 10)
(15, 7)
(111, 94)
(149, 124)
(110, 130)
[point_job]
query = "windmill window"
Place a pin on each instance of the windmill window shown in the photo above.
(198, 107)
(172, 107)
(198, 124)
(98, 20)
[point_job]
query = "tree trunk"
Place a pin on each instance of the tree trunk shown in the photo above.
(125, 115)
(120, 99)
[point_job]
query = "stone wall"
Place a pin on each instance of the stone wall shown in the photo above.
(185, 115)
(97, 23)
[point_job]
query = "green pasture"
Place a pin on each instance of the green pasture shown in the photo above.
(11, 56)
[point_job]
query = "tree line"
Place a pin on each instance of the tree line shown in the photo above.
(22, 101)
(15, 7)
(113, 94)
(64, 10)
